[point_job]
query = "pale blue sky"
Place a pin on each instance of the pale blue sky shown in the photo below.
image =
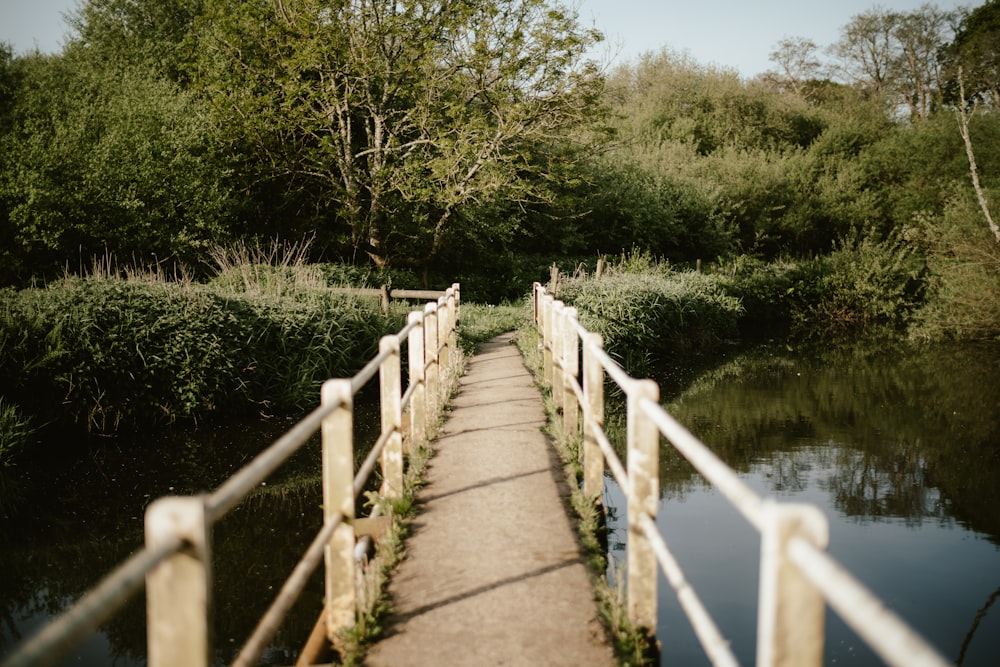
(738, 34)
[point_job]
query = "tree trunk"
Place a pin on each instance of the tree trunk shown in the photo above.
(963, 125)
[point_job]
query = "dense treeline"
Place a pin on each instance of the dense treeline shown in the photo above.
(488, 147)
(476, 141)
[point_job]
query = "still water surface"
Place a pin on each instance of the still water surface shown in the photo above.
(899, 447)
(88, 518)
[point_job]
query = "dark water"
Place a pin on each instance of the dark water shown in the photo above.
(87, 517)
(900, 448)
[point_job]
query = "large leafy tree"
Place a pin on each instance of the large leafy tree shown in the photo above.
(398, 117)
(98, 159)
(976, 49)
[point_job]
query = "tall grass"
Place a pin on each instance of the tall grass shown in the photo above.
(107, 352)
(647, 312)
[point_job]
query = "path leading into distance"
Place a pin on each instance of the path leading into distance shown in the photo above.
(493, 573)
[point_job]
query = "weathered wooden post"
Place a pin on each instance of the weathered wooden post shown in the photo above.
(556, 382)
(455, 309)
(444, 353)
(546, 314)
(179, 590)
(593, 416)
(790, 610)
(417, 365)
(338, 501)
(571, 361)
(384, 299)
(643, 495)
(433, 373)
(391, 418)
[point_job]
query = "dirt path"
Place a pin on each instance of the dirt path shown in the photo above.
(493, 573)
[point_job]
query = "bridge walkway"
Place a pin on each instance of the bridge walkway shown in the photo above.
(493, 573)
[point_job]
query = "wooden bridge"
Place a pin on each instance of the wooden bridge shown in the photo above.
(492, 573)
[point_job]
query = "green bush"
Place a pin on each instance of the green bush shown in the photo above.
(646, 318)
(106, 354)
(863, 284)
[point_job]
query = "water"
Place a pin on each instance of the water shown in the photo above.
(88, 518)
(899, 447)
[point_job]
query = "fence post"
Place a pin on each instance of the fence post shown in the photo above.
(338, 499)
(444, 352)
(556, 382)
(643, 498)
(547, 304)
(433, 372)
(593, 416)
(417, 366)
(455, 306)
(791, 610)
(391, 418)
(571, 362)
(179, 590)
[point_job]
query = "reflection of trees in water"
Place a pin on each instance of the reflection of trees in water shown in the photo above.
(874, 485)
(909, 432)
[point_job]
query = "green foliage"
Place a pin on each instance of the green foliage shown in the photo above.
(649, 317)
(106, 354)
(102, 160)
(863, 284)
(398, 119)
(964, 263)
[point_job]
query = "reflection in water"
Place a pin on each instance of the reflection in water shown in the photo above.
(901, 449)
(88, 518)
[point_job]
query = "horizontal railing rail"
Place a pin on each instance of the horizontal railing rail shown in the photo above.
(175, 564)
(797, 578)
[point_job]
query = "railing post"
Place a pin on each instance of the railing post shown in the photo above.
(643, 498)
(444, 352)
(391, 414)
(791, 610)
(593, 416)
(417, 366)
(547, 304)
(433, 372)
(454, 307)
(556, 382)
(571, 361)
(179, 590)
(338, 499)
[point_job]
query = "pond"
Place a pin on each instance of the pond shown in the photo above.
(88, 518)
(900, 448)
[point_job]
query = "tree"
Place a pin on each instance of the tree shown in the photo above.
(399, 115)
(106, 160)
(797, 62)
(153, 33)
(866, 51)
(976, 49)
(920, 36)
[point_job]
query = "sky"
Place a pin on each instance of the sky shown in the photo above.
(736, 34)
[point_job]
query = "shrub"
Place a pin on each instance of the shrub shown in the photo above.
(646, 318)
(108, 353)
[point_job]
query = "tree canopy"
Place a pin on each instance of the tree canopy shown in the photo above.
(398, 117)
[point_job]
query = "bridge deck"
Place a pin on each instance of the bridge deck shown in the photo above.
(493, 573)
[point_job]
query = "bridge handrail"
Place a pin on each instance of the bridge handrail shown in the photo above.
(175, 564)
(797, 576)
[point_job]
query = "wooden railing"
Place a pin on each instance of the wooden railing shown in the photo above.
(175, 565)
(797, 576)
